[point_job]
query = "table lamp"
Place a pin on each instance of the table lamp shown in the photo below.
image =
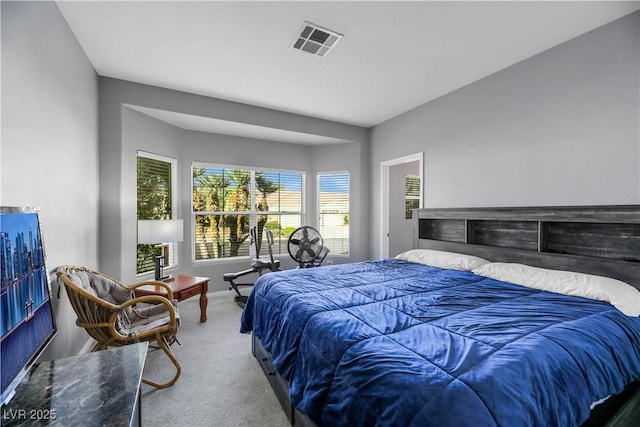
(158, 232)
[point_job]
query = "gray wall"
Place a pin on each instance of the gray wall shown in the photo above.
(123, 131)
(560, 128)
(50, 143)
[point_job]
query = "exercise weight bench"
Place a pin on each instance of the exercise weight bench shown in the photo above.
(257, 265)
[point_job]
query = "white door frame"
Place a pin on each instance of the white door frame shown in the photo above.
(384, 195)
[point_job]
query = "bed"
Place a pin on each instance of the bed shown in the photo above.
(475, 326)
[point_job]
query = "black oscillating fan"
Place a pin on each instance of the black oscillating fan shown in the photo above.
(306, 247)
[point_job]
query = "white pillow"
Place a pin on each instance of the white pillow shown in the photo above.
(621, 295)
(450, 260)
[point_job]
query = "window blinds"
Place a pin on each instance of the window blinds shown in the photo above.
(333, 211)
(228, 202)
(156, 196)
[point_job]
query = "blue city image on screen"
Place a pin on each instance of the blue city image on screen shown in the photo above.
(26, 320)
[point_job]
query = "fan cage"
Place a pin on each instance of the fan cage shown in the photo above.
(305, 244)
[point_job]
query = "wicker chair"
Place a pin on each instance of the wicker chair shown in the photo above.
(111, 315)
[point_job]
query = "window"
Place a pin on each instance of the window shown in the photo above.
(157, 199)
(411, 195)
(333, 211)
(227, 202)
(279, 206)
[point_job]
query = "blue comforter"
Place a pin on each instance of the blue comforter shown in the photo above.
(394, 343)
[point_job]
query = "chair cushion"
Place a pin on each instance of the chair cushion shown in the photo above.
(101, 287)
(143, 317)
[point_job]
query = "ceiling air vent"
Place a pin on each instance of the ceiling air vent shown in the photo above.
(315, 40)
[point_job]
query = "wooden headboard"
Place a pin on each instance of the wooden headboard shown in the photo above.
(601, 240)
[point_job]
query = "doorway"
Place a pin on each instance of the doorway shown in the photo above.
(396, 233)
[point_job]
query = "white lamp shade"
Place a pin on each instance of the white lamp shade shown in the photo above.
(156, 231)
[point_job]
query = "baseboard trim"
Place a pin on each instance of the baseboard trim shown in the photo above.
(86, 348)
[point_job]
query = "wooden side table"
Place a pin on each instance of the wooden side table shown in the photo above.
(183, 287)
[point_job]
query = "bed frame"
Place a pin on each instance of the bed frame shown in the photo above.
(601, 240)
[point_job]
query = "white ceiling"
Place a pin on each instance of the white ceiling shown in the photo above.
(394, 55)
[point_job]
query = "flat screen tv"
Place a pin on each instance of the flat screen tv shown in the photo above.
(26, 316)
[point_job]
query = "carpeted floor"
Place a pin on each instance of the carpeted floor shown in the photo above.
(221, 383)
